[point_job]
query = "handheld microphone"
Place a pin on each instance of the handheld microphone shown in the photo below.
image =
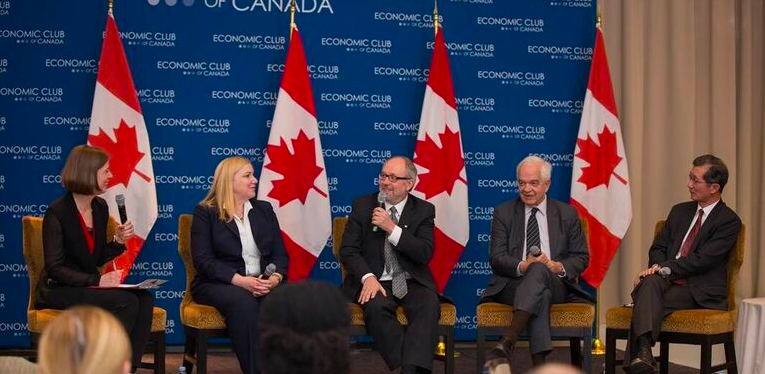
(381, 202)
(121, 207)
(535, 251)
(270, 269)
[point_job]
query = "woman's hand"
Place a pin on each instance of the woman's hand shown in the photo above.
(111, 279)
(124, 232)
(256, 286)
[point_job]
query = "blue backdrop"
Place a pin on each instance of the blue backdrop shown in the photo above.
(208, 73)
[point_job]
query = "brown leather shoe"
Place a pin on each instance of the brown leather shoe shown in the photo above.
(503, 350)
(643, 363)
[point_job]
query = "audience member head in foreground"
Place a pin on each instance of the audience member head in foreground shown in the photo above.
(556, 368)
(84, 340)
(304, 328)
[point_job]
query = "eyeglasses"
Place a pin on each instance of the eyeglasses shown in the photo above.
(692, 178)
(392, 178)
(532, 184)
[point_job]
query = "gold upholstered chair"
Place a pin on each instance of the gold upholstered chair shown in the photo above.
(570, 320)
(39, 318)
(200, 322)
(704, 327)
(445, 323)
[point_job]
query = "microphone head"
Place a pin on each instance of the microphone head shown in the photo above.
(535, 251)
(665, 271)
(120, 198)
(381, 197)
(270, 269)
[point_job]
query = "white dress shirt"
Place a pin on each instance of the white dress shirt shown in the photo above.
(250, 251)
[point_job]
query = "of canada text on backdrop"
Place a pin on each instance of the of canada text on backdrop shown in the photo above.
(210, 77)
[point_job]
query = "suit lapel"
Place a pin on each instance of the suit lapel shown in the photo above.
(81, 246)
(684, 226)
(99, 232)
(706, 227)
(553, 229)
(518, 235)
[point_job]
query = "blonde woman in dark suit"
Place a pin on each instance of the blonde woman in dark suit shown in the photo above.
(233, 239)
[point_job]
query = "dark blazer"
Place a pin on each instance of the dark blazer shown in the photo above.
(67, 259)
(705, 267)
(567, 244)
(217, 249)
(361, 250)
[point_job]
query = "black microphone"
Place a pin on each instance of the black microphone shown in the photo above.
(121, 207)
(270, 269)
(535, 251)
(381, 202)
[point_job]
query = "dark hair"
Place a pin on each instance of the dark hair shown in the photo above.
(304, 328)
(717, 172)
(79, 174)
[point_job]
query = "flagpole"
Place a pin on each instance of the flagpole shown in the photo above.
(111, 8)
(293, 26)
(598, 348)
(435, 17)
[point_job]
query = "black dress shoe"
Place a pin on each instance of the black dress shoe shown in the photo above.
(643, 363)
(503, 350)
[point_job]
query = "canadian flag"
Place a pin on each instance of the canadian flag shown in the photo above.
(441, 177)
(293, 178)
(600, 188)
(117, 127)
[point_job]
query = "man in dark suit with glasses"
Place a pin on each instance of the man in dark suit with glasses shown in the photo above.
(386, 248)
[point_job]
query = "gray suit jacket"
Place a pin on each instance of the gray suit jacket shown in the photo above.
(567, 245)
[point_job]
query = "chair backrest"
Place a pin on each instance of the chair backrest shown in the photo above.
(735, 259)
(338, 228)
(32, 249)
(184, 249)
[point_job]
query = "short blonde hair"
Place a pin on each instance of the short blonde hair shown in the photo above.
(84, 340)
(79, 174)
(221, 194)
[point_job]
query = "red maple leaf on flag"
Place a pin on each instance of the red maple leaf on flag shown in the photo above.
(602, 159)
(299, 169)
(444, 164)
(123, 153)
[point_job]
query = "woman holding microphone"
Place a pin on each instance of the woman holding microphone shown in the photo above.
(75, 245)
(234, 241)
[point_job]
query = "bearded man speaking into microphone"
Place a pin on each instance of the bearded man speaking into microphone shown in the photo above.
(537, 252)
(386, 248)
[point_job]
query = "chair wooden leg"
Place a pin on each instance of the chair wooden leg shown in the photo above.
(587, 348)
(706, 357)
(189, 352)
(201, 353)
(159, 353)
(663, 357)
(480, 345)
(576, 351)
(449, 361)
(730, 357)
(610, 352)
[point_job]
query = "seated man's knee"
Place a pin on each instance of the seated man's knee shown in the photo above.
(536, 269)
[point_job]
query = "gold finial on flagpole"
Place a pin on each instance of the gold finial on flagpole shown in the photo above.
(599, 22)
(435, 16)
(293, 8)
(111, 8)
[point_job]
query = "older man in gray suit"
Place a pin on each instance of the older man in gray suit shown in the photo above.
(537, 252)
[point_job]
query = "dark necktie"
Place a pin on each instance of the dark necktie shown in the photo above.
(392, 266)
(532, 230)
(688, 243)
